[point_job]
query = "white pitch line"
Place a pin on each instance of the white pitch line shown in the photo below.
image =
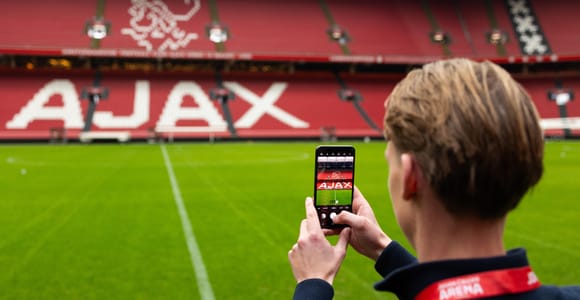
(197, 262)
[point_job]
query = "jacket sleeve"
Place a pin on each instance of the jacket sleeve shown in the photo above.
(570, 292)
(393, 257)
(313, 289)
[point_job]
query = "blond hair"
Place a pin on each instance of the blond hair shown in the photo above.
(474, 132)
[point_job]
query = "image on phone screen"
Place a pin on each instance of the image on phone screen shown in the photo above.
(334, 182)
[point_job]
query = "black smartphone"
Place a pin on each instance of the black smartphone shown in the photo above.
(333, 182)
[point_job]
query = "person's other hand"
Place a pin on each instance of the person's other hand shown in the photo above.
(313, 256)
(366, 236)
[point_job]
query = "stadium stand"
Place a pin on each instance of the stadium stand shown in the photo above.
(279, 61)
(32, 27)
(478, 26)
(272, 106)
(550, 110)
(560, 22)
(153, 23)
(299, 27)
(384, 27)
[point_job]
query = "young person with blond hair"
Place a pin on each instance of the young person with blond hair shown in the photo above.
(464, 146)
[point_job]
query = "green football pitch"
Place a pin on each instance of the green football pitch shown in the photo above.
(179, 221)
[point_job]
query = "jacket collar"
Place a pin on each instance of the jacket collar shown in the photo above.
(406, 282)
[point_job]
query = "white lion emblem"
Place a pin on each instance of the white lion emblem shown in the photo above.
(152, 20)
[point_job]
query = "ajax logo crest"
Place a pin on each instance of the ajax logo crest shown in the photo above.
(155, 27)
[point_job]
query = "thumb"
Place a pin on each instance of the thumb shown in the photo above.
(347, 218)
(343, 239)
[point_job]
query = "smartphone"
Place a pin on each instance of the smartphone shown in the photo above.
(333, 182)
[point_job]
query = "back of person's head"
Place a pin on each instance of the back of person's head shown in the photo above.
(473, 131)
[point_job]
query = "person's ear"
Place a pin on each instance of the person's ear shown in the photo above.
(410, 176)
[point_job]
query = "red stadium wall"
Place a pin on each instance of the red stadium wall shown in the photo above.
(561, 24)
(549, 109)
(269, 30)
(381, 31)
(265, 105)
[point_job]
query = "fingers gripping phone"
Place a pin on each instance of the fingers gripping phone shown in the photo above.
(333, 182)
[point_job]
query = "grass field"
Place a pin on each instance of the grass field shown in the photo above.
(101, 221)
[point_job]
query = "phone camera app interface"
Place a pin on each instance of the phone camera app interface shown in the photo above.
(334, 184)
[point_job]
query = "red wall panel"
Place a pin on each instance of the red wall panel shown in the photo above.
(273, 104)
(561, 24)
(395, 31)
(44, 24)
(478, 24)
(273, 101)
(378, 27)
(266, 26)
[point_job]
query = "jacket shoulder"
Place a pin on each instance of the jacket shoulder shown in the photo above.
(558, 292)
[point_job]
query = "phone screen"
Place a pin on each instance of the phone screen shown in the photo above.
(334, 182)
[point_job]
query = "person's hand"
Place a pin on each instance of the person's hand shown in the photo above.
(366, 236)
(313, 256)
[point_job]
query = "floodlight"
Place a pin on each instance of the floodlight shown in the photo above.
(348, 94)
(561, 96)
(97, 28)
(440, 37)
(497, 37)
(338, 34)
(217, 32)
(95, 93)
(220, 94)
